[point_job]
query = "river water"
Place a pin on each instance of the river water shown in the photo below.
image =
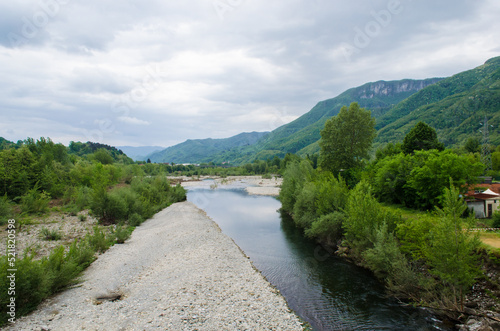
(328, 292)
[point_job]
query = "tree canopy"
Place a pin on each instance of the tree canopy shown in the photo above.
(421, 137)
(346, 139)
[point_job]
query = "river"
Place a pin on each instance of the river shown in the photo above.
(326, 291)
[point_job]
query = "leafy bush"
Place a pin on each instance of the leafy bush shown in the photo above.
(108, 207)
(35, 202)
(177, 194)
(122, 233)
(82, 197)
(363, 219)
(327, 228)
(304, 210)
(414, 234)
(98, 241)
(332, 194)
(5, 210)
(38, 279)
(81, 253)
(32, 286)
(385, 253)
(82, 218)
(61, 270)
(135, 220)
(496, 220)
(296, 174)
(144, 197)
(450, 250)
(116, 208)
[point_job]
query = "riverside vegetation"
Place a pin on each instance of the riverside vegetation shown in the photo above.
(369, 210)
(40, 177)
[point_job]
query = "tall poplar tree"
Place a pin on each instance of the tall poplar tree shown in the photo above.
(346, 139)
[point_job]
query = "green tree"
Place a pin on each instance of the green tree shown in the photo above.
(18, 171)
(304, 210)
(388, 150)
(103, 156)
(421, 137)
(451, 248)
(296, 174)
(364, 216)
(390, 177)
(418, 180)
(472, 145)
(346, 139)
(432, 173)
(495, 159)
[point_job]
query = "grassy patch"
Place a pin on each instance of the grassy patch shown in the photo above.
(47, 234)
(491, 241)
(408, 213)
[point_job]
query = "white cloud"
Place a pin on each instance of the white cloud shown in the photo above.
(132, 120)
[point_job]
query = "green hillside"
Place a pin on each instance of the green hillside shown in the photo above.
(4, 143)
(207, 150)
(455, 107)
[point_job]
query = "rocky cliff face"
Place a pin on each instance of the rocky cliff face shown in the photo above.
(383, 88)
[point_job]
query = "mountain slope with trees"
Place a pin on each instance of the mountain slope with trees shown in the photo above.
(455, 107)
(204, 150)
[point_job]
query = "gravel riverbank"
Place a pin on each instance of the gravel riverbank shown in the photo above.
(254, 185)
(178, 271)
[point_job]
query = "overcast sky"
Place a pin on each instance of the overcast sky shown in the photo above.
(158, 72)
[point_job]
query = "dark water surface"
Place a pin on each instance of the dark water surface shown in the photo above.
(326, 291)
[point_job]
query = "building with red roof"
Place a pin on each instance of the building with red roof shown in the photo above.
(483, 199)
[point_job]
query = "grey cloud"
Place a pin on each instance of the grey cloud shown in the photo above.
(94, 80)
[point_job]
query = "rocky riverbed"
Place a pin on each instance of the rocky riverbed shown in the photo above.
(254, 185)
(178, 271)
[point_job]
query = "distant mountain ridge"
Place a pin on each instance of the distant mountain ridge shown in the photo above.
(202, 150)
(140, 153)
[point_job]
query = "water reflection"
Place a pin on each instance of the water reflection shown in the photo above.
(328, 292)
